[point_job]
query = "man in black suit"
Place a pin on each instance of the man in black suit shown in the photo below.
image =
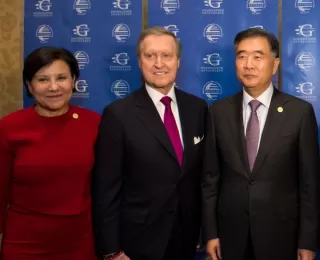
(261, 165)
(146, 185)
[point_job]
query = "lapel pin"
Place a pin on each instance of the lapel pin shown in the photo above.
(75, 116)
(280, 109)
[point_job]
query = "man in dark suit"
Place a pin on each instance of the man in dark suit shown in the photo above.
(261, 164)
(146, 186)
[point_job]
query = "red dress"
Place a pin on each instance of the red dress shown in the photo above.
(45, 173)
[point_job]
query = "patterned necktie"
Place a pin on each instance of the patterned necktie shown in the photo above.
(252, 133)
(172, 129)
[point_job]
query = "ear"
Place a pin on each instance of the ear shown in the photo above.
(276, 63)
(139, 62)
(74, 82)
(30, 88)
(178, 63)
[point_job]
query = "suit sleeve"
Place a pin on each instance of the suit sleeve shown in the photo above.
(106, 184)
(309, 181)
(210, 181)
(6, 162)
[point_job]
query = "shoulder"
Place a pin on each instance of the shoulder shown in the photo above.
(122, 106)
(223, 103)
(16, 119)
(289, 99)
(192, 99)
(87, 113)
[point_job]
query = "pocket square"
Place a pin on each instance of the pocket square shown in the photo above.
(197, 139)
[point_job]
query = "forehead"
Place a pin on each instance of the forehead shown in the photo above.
(58, 66)
(252, 44)
(158, 43)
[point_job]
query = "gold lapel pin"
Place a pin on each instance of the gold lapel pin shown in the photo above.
(280, 109)
(75, 116)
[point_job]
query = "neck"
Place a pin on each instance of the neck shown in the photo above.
(255, 92)
(163, 90)
(42, 111)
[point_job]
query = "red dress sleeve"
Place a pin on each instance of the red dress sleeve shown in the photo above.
(6, 162)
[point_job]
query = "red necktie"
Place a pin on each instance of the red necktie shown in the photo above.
(172, 129)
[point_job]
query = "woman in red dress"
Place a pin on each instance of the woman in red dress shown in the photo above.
(46, 159)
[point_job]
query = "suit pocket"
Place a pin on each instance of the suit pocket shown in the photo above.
(135, 215)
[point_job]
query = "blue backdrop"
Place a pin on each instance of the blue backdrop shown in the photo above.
(301, 52)
(206, 31)
(101, 34)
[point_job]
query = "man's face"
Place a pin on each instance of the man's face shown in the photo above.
(255, 63)
(159, 62)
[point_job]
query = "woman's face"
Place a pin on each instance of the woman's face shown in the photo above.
(52, 87)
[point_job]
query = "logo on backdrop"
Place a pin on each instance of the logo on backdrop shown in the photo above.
(305, 91)
(213, 7)
(212, 63)
(304, 6)
(83, 59)
(256, 6)
(172, 28)
(121, 32)
(212, 90)
(258, 27)
(305, 61)
(44, 33)
(44, 8)
(305, 31)
(213, 32)
(81, 31)
(82, 6)
(81, 89)
(121, 8)
(121, 62)
(120, 88)
(170, 6)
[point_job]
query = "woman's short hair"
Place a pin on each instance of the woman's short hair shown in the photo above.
(45, 56)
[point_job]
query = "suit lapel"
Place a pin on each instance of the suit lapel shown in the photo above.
(236, 126)
(186, 126)
(271, 128)
(147, 113)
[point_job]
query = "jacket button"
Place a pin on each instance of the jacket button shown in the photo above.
(252, 182)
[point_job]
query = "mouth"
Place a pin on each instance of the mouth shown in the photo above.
(54, 97)
(248, 76)
(160, 73)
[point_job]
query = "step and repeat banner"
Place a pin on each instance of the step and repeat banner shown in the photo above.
(207, 29)
(301, 51)
(101, 34)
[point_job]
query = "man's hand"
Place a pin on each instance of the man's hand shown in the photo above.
(122, 257)
(213, 249)
(304, 254)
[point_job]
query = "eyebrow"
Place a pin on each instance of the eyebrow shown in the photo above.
(257, 51)
(45, 75)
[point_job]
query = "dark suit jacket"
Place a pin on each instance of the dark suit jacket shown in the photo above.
(278, 199)
(138, 183)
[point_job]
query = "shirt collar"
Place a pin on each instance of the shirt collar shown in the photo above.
(264, 98)
(156, 95)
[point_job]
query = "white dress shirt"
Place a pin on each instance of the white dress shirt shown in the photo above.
(262, 111)
(156, 97)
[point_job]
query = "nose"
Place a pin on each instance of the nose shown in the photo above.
(53, 85)
(158, 62)
(249, 63)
